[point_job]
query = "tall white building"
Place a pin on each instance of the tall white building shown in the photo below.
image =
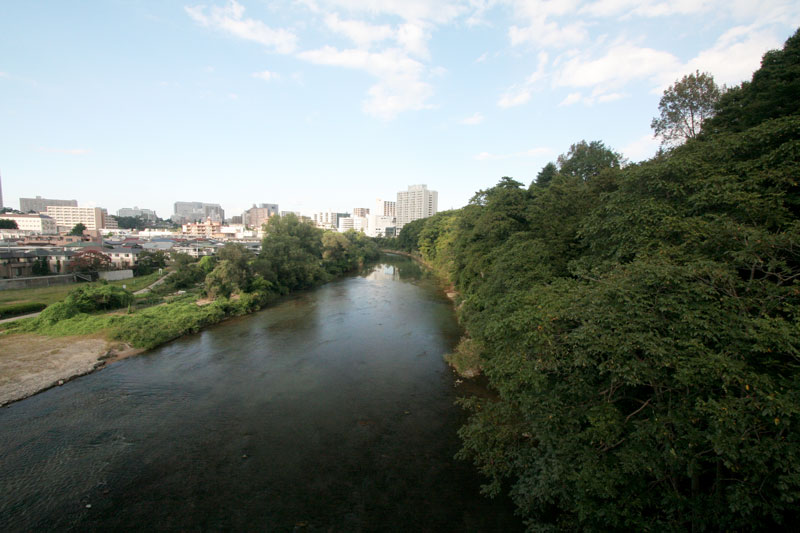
(385, 208)
(415, 203)
(67, 217)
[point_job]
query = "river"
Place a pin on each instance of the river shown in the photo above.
(332, 410)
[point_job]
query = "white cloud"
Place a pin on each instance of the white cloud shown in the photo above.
(266, 75)
(645, 8)
(482, 58)
(361, 33)
(514, 96)
(621, 64)
(230, 19)
(414, 38)
(438, 12)
(533, 152)
(572, 98)
(519, 94)
(642, 148)
(734, 57)
(400, 86)
(473, 120)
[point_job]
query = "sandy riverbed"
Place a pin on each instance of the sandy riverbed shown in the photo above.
(31, 363)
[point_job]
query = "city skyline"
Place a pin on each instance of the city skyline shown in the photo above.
(328, 104)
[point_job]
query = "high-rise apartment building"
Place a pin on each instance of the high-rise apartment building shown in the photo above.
(194, 211)
(415, 203)
(146, 214)
(360, 211)
(385, 208)
(255, 217)
(328, 219)
(40, 204)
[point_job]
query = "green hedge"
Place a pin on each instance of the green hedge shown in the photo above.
(7, 311)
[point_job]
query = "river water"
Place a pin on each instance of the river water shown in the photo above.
(332, 410)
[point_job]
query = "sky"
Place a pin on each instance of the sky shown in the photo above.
(330, 104)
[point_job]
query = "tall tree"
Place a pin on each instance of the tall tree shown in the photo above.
(78, 229)
(587, 160)
(8, 224)
(546, 175)
(683, 108)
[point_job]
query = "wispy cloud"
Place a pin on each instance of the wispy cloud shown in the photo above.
(533, 152)
(66, 151)
(520, 93)
(230, 19)
(266, 75)
(400, 86)
(473, 120)
(642, 148)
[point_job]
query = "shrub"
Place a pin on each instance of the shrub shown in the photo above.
(7, 311)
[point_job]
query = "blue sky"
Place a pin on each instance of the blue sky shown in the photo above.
(317, 104)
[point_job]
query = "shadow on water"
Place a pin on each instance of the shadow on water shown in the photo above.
(330, 411)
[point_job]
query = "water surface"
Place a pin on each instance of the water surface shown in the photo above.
(330, 411)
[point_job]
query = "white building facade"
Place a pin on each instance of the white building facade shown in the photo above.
(42, 224)
(67, 217)
(416, 203)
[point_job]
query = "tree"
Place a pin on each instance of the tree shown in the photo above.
(546, 175)
(40, 267)
(78, 229)
(90, 261)
(149, 261)
(684, 106)
(587, 160)
(291, 253)
(8, 224)
(130, 222)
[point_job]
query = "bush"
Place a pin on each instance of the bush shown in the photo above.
(466, 358)
(90, 298)
(7, 311)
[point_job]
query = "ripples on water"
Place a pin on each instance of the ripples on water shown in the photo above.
(332, 410)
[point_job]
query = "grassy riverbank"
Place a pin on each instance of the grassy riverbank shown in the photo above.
(56, 293)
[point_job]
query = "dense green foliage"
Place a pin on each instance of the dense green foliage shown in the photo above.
(640, 325)
(90, 261)
(78, 229)
(8, 224)
(7, 311)
(149, 261)
(130, 222)
(85, 299)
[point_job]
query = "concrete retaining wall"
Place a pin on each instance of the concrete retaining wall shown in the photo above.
(114, 275)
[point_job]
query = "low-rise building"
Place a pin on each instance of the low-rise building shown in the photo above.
(36, 223)
(207, 229)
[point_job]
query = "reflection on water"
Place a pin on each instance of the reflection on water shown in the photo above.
(331, 410)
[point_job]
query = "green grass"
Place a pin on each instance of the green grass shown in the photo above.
(49, 295)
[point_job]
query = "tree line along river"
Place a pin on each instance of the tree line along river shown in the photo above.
(331, 410)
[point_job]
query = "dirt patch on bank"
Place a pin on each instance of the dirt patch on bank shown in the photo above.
(31, 363)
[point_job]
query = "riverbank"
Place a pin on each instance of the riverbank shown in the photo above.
(32, 363)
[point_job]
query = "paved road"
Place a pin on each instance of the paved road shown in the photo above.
(159, 281)
(19, 316)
